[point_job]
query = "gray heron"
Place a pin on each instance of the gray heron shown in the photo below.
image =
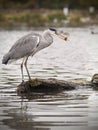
(30, 44)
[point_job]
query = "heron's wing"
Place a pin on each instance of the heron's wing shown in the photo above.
(23, 40)
(25, 46)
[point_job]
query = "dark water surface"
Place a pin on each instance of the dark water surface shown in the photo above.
(75, 59)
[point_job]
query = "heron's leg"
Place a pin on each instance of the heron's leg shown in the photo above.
(22, 70)
(25, 63)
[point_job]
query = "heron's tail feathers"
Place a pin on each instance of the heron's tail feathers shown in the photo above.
(6, 58)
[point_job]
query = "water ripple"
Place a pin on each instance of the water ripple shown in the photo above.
(78, 109)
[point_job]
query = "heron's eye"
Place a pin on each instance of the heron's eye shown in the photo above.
(56, 32)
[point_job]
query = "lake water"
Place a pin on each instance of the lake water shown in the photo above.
(75, 59)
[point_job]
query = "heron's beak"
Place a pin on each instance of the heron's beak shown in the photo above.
(61, 36)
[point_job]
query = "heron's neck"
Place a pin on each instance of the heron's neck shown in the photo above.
(47, 37)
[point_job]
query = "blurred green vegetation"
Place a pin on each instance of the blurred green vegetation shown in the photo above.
(44, 18)
(31, 18)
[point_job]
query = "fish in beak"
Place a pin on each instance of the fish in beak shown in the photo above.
(59, 34)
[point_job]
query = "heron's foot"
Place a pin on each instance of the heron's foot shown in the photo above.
(22, 83)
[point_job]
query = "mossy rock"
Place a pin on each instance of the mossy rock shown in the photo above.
(45, 86)
(94, 81)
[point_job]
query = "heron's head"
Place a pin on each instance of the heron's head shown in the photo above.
(58, 34)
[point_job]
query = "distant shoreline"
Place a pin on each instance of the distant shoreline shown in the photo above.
(26, 19)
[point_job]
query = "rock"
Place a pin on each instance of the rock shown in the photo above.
(82, 82)
(52, 85)
(94, 81)
(92, 32)
(45, 86)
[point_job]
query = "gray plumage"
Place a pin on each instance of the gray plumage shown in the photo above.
(27, 46)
